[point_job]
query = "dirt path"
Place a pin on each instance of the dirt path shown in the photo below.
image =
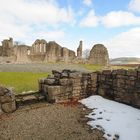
(47, 122)
(48, 67)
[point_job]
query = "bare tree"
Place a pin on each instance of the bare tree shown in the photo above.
(86, 53)
(16, 43)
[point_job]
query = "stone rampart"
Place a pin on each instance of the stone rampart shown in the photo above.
(119, 85)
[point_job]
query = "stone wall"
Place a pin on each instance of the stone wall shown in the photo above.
(7, 100)
(119, 85)
(63, 86)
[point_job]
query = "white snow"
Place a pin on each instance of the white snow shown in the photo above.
(113, 118)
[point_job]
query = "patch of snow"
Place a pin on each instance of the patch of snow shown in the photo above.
(28, 92)
(116, 120)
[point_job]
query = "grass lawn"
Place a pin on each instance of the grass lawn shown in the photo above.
(21, 81)
(92, 67)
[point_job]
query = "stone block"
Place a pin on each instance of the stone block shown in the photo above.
(64, 75)
(75, 75)
(50, 81)
(119, 72)
(45, 88)
(1, 112)
(106, 72)
(85, 76)
(101, 92)
(76, 92)
(120, 82)
(65, 82)
(3, 90)
(94, 76)
(102, 78)
(118, 76)
(130, 83)
(132, 78)
(66, 71)
(69, 88)
(29, 98)
(77, 88)
(94, 85)
(137, 83)
(40, 89)
(7, 98)
(93, 90)
(56, 74)
(63, 89)
(54, 90)
(138, 75)
(131, 73)
(9, 107)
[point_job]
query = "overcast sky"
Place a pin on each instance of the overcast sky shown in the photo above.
(115, 23)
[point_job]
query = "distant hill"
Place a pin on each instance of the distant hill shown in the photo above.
(125, 60)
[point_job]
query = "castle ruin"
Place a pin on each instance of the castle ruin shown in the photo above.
(43, 51)
(99, 55)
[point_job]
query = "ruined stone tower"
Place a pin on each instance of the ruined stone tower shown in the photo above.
(7, 47)
(99, 55)
(79, 50)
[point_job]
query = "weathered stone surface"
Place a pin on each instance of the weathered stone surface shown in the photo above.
(99, 55)
(9, 107)
(56, 74)
(94, 76)
(119, 85)
(65, 75)
(1, 91)
(54, 90)
(121, 72)
(50, 81)
(29, 98)
(75, 75)
(1, 112)
(65, 81)
(5, 99)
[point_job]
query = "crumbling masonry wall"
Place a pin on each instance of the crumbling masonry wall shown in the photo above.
(65, 85)
(119, 85)
(7, 100)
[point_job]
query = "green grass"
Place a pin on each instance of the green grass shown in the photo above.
(122, 67)
(21, 81)
(92, 67)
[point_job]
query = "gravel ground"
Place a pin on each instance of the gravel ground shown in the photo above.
(47, 122)
(44, 67)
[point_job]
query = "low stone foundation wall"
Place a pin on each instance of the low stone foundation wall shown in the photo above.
(119, 85)
(67, 85)
(7, 100)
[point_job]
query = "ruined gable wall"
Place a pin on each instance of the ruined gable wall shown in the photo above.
(99, 55)
(21, 53)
